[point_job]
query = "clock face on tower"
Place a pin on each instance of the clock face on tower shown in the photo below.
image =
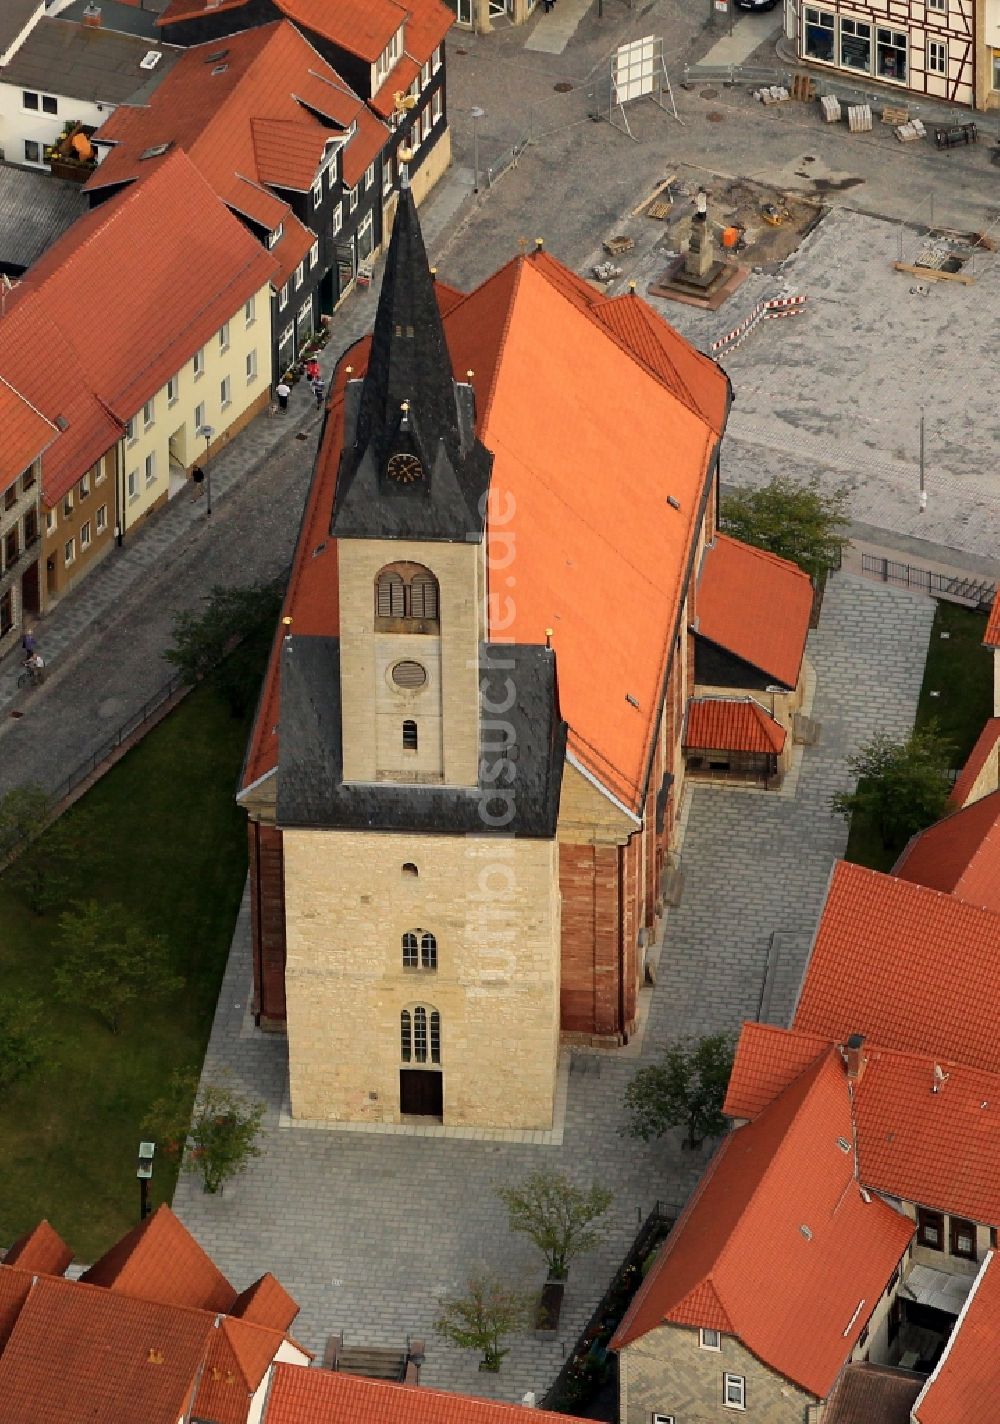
(404, 469)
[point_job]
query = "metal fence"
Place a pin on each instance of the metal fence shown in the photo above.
(977, 593)
(118, 738)
(751, 74)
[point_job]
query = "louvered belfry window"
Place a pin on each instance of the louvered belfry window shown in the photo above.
(423, 596)
(391, 596)
(407, 591)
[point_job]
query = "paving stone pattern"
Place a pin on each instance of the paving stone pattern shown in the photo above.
(368, 1231)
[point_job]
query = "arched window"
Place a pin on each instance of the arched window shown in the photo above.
(406, 600)
(410, 869)
(410, 960)
(420, 950)
(420, 1035)
(428, 952)
(409, 736)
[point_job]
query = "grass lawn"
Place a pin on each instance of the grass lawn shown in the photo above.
(960, 670)
(169, 843)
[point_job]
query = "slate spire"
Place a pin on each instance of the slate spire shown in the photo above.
(411, 464)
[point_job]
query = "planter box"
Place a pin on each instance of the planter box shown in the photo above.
(549, 1308)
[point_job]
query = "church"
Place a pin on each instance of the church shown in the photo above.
(464, 774)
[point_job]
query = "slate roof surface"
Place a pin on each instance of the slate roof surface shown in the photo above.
(95, 63)
(732, 724)
(872, 1394)
(160, 1260)
(878, 935)
(41, 1249)
(778, 1246)
(976, 761)
(26, 433)
(14, 15)
(959, 854)
(964, 1386)
(35, 209)
(301, 1396)
(311, 790)
(756, 606)
(125, 15)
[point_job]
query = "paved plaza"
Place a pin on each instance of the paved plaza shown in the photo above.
(369, 1229)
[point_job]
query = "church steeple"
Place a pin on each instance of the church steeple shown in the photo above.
(411, 466)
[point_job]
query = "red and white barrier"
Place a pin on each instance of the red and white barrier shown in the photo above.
(770, 309)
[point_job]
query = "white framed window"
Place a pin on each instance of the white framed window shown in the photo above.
(420, 1035)
(425, 123)
(283, 297)
(855, 45)
(84, 486)
(29, 100)
(337, 221)
(425, 75)
(300, 274)
(387, 177)
(149, 414)
(101, 519)
(352, 198)
(314, 255)
(173, 390)
(50, 105)
(151, 468)
(199, 363)
(273, 238)
(734, 1391)
(436, 59)
(369, 176)
(51, 520)
(250, 312)
(85, 535)
(819, 35)
(100, 473)
(225, 393)
(130, 430)
(710, 1339)
(251, 367)
(936, 4)
(661, 1419)
(133, 484)
(32, 151)
(199, 416)
(937, 57)
(436, 105)
(317, 191)
(890, 55)
(224, 336)
(68, 505)
(69, 551)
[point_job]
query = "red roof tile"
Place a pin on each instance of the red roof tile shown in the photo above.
(160, 1260)
(237, 1361)
(991, 637)
(78, 1352)
(965, 1384)
(288, 151)
(959, 854)
(768, 1059)
(266, 1302)
(778, 1246)
(985, 748)
(883, 952)
(291, 249)
(735, 724)
(755, 606)
(15, 1286)
(41, 1249)
(305, 1396)
(26, 433)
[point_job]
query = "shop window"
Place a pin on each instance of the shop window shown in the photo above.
(890, 55)
(856, 45)
(962, 1238)
(930, 1229)
(819, 35)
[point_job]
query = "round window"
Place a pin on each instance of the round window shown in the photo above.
(409, 675)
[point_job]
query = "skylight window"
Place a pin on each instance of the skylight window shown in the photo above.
(220, 69)
(150, 59)
(214, 58)
(157, 151)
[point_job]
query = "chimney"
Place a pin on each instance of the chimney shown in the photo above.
(92, 14)
(855, 1057)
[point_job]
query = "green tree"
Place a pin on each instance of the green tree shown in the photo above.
(24, 814)
(487, 1313)
(685, 1089)
(26, 1043)
(800, 522)
(217, 1138)
(228, 639)
(557, 1216)
(901, 786)
(108, 959)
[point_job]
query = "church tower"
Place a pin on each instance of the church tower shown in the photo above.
(419, 769)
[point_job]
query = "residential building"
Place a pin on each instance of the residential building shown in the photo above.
(287, 146)
(64, 73)
(151, 1331)
(155, 311)
(500, 819)
(392, 55)
(27, 434)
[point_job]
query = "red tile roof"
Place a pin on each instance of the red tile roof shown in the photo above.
(991, 637)
(755, 606)
(885, 952)
(160, 1260)
(304, 1396)
(26, 433)
(15, 1284)
(985, 747)
(959, 854)
(255, 123)
(41, 1249)
(291, 249)
(78, 1352)
(966, 1382)
(578, 541)
(426, 28)
(266, 1302)
(768, 1059)
(778, 1246)
(237, 1361)
(735, 724)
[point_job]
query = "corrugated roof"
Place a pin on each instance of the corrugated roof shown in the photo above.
(41, 1249)
(755, 606)
(959, 854)
(966, 1382)
(160, 1260)
(97, 64)
(778, 1246)
(35, 209)
(905, 966)
(735, 724)
(26, 433)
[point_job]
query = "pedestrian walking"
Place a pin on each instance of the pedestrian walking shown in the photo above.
(28, 643)
(282, 391)
(312, 370)
(318, 392)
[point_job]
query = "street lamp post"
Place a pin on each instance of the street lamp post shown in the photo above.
(477, 114)
(207, 432)
(144, 1171)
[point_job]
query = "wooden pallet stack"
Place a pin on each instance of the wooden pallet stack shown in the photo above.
(830, 106)
(859, 118)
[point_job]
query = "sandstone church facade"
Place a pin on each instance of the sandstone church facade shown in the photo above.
(463, 777)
